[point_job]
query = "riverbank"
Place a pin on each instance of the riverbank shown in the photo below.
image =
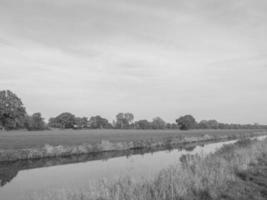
(35, 145)
(237, 171)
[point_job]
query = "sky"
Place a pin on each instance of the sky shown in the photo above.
(153, 58)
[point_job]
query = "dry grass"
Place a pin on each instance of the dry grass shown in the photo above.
(198, 177)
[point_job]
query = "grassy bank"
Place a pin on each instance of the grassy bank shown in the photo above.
(236, 171)
(33, 145)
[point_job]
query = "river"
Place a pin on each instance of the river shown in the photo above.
(19, 179)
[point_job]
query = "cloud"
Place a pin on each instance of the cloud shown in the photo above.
(149, 57)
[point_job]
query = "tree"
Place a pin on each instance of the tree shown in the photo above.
(53, 123)
(158, 123)
(186, 122)
(142, 124)
(123, 120)
(97, 122)
(35, 122)
(64, 120)
(81, 122)
(203, 124)
(12, 111)
(171, 126)
(208, 124)
(174, 126)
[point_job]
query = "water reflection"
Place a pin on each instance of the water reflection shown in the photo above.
(9, 170)
(24, 177)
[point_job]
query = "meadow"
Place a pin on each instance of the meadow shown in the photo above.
(16, 145)
(31, 139)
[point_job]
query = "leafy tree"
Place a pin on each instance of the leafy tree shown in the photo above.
(174, 126)
(64, 120)
(168, 126)
(208, 124)
(35, 122)
(203, 124)
(97, 122)
(53, 123)
(12, 111)
(123, 120)
(186, 122)
(81, 122)
(142, 124)
(158, 123)
(171, 126)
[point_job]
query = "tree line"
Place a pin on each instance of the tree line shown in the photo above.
(13, 115)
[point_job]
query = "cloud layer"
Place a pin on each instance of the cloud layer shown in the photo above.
(150, 57)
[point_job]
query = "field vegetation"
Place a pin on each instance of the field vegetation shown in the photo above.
(41, 144)
(236, 171)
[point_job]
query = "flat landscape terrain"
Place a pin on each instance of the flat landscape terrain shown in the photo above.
(37, 139)
(234, 172)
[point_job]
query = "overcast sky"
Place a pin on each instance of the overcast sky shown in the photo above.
(149, 57)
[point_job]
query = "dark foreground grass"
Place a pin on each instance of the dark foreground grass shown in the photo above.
(42, 144)
(236, 172)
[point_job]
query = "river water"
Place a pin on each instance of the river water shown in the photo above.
(19, 179)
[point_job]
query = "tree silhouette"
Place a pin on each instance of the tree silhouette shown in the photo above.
(12, 111)
(186, 122)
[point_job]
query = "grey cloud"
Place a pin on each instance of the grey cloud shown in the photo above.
(197, 56)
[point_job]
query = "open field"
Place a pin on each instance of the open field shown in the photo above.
(237, 171)
(36, 139)
(38, 144)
